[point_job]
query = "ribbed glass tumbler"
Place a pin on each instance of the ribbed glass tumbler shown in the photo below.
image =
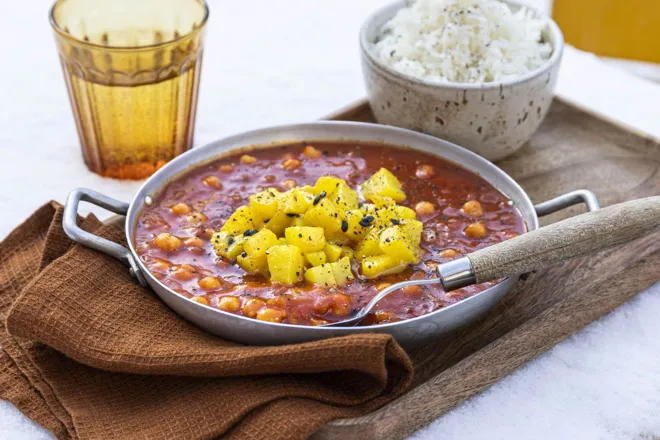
(132, 71)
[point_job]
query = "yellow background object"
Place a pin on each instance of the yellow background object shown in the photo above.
(614, 28)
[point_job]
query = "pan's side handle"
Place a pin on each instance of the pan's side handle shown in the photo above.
(90, 240)
(566, 200)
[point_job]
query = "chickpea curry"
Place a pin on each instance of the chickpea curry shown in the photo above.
(306, 233)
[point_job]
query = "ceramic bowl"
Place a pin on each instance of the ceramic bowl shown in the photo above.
(492, 119)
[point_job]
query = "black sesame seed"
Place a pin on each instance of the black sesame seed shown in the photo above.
(291, 214)
(318, 198)
(395, 221)
(243, 254)
(299, 235)
(344, 226)
(249, 232)
(366, 220)
(230, 241)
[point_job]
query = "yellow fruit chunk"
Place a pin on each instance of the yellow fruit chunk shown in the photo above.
(253, 264)
(329, 184)
(345, 198)
(383, 184)
(378, 265)
(332, 252)
(394, 241)
(257, 244)
(382, 201)
(324, 215)
(316, 258)
(308, 189)
(369, 246)
(295, 201)
(413, 229)
(342, 271)
(264, 203)
(389, 215)
(297, 221)
(285, 264)
(307, 238)
(227, 245)
(241, 220)
(322, 275)
(278, 223)
(338, 238)
(353, 229)
(348, 252)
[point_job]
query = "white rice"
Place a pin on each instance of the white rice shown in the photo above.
(468, 41)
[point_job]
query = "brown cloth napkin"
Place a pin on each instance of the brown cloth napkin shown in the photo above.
(88, 353)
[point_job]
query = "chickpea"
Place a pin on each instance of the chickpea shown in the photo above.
(321, 308)
(271, 315)
(209, 283)
(182, 273)
(448, 253)
(213, 182)
(201, 300)
(227, 167)
(229, 303)
(311, 152)
(475, 230)
(289, 183)
(432, 265)
(412, 290)
(425, 171)
(196, 217)
(252, 306)
(279, 301)
(247, 159)
(160, 265)
(473, 208)
(291, 164)
(167, 242)
(193, 242)
(341, 304)
(181, 209)
(381, 286)
(424, 208)
(383, 315)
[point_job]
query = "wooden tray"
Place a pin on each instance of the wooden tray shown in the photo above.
(572, 150)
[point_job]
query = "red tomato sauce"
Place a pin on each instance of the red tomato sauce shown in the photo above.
(213, 191)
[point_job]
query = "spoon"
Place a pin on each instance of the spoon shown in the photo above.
(576, 236)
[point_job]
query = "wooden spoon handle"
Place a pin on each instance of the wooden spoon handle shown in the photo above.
(570, 238)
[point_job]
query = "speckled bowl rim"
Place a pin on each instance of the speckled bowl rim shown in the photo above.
(557, 50)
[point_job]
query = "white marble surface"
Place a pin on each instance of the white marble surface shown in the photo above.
(273, 62)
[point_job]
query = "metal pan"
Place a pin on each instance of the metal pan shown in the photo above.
(408, 333)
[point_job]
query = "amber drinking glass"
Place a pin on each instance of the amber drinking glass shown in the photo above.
(132, 72)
